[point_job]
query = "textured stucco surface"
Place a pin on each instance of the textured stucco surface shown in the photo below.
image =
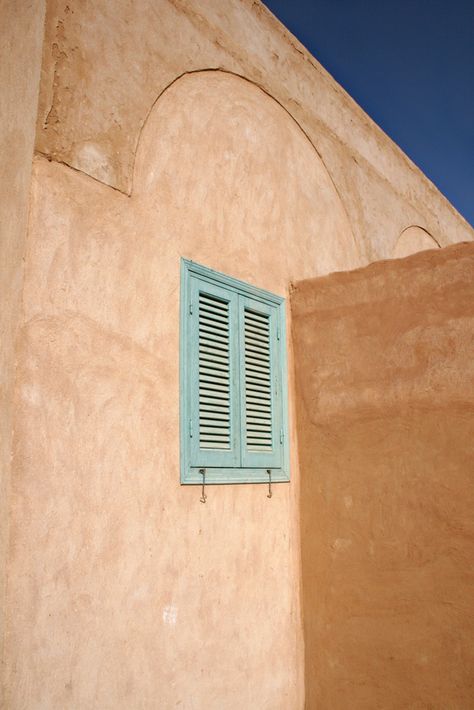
(385, 413)
(127, 592)
(105, 63)
(21, 34)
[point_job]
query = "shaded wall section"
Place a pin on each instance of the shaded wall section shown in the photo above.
(385, 410)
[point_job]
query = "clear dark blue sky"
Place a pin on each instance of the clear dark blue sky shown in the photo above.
(410, 65)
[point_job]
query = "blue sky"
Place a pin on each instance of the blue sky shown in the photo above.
(410, 65)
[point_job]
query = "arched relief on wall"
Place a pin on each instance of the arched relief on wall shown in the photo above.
(217, 139)
(245, 79)
(412, 240)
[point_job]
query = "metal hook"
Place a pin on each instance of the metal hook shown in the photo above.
(269, 494)
(203, 497)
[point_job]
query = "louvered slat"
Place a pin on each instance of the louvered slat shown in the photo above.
(214, 373)
(258, 408)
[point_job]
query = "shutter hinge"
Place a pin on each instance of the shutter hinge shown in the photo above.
(191, 308)
(281, 436)
(191, 428)
(278, 332)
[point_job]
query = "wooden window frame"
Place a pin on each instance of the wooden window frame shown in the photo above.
(191, 273)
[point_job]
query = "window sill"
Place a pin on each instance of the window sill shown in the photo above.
(233, 475)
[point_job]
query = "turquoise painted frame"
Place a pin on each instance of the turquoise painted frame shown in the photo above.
(191, 475)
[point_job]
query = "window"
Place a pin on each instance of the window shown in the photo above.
(233, 380)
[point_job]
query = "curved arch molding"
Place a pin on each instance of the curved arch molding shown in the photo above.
(220, 149)
(412, 240)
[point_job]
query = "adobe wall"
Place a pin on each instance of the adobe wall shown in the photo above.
(134, 594)
(385, 413)
(105, 63)
(170, 128)
(21, 35)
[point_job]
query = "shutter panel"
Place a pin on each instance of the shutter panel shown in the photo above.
(215, 435)
(214, 373)
(258, 386)
(261, 416)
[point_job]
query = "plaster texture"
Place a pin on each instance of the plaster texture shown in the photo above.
(104, 65)
(127, 592)
(21, 35)
(385, 412)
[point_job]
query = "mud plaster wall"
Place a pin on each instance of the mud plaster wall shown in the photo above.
(125, 591)
(385, 412)
(105, 63)
(21, 34)
(122, 589)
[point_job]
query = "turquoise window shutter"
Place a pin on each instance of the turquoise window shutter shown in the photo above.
(260, 375)
(233, 392)
(213, 376)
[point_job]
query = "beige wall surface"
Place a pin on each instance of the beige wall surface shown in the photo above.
(127, 592)
(385, 415)
(21, 35)
(105, 63)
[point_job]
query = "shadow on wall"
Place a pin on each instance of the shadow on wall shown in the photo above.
(385, 415)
